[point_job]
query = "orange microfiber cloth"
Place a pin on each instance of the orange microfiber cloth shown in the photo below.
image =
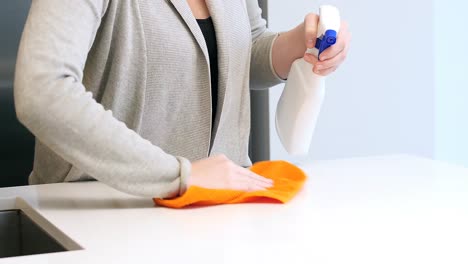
(288, 181)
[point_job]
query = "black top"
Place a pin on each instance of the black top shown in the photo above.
(208, 30)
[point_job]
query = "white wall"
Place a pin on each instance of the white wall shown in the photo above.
(451, 44)
(382, 100)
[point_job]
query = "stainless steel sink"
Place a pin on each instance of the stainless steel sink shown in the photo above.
(20, 236)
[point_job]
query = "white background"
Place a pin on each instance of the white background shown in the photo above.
(403, 87)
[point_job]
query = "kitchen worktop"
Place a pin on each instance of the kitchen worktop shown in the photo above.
(394, 209)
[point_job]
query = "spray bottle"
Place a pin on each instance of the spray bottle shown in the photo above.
(300, 103)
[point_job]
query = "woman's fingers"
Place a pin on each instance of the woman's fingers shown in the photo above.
(333, 51)
(334, 56)
(253, 175)
(330, 65)
(245, 184)
(250, 181)
(334, 62)
(310, 58)
(341, 44)
(310, 29)
(250, 184)
(221, 173)
(320, 68)
(327, 71)
(256, 179)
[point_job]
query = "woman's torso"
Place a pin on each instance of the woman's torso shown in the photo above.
(149, 65)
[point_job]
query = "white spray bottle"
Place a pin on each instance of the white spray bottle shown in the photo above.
(300, 103)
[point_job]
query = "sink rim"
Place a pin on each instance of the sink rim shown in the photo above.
(17, 203)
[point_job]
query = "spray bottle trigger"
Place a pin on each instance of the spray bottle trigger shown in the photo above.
(325, 41)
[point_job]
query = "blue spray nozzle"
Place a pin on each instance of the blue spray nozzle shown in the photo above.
(326, 41)
(331, 40)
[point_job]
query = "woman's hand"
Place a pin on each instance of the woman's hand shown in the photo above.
(332, 57)
(219, 172)
(293, 44)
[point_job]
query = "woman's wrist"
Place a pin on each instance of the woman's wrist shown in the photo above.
(288, 47)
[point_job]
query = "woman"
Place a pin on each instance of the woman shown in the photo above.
(152, 96)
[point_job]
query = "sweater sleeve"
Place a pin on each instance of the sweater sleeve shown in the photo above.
(262, 73)
(53, 104)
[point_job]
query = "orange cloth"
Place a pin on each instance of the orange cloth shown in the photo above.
(288, 181)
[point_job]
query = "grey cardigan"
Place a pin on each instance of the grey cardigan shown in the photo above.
(87, 69)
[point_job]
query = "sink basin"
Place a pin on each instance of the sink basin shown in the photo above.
(20, 236)
(23, 231)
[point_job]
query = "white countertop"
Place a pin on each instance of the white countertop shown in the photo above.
(396, 209)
